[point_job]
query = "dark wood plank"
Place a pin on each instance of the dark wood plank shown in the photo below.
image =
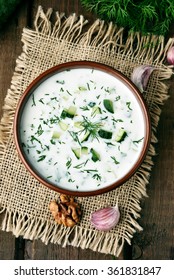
(38, 250)
(10, 48)
(7, 246)
(157, 239)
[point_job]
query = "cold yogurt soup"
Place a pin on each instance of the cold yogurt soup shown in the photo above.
(82, 129)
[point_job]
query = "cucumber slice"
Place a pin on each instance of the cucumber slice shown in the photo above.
(63, 125)
(82, 88)
(85, 137)
(56, 135)
(108, 104)
(84, 150)
(78, 125)
(95, 110)
(77, 152)
(72, 110)
(105, 134)
(121, 135)
(95, 155)
(68, 113)
(65, 97)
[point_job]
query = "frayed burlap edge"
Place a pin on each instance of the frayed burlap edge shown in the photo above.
(110, 39)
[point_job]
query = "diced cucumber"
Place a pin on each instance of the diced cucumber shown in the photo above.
(65, 97)
(68, 113)
(108, 104)
(63, 125)
(80, 151)
(85, 137)
(72, 110)
(77, 152)
(84, 150)
(105, 134)
(78, 125)
(95, 155)
(82, 88)
(56, 135)
(121, 135)
(65, 114)
(95, 110)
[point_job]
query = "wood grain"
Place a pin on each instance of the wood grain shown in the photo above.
(157, 239)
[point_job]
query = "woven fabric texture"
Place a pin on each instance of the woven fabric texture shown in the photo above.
(23, 200)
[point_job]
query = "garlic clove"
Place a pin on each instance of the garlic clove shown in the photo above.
(140, 76)
(170, 56)
(106, 218)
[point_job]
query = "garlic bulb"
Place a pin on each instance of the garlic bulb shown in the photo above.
(170, 56)
(140, 76)
(105, 218)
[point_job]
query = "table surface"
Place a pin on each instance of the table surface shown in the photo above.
(156, 241)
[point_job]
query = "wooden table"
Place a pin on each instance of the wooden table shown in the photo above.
(157, 239)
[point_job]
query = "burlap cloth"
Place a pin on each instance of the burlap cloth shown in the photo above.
(23, 201)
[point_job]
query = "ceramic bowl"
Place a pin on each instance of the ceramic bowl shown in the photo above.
(82, 128)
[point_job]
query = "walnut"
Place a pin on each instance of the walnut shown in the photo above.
(66, 212)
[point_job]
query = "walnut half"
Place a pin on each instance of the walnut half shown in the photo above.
(66, 212)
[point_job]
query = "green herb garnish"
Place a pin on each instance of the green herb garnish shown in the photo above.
(60, 82)
(145, 16)
(115, 161)
(138, 141)
(78, 166)
(52, 142)
(68, 92)
(74, 135)
(84, 108)
(117, 120)
(129, 105)
(39, 130)
(91, 127)
(42, 157)
(89, 170)
(69, 163)
(33, 100)
(41, 101)
(33, 138)
(71, 180)
(117, 98)
(97, 177)
(54, 120)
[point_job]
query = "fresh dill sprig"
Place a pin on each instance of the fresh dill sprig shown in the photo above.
(91, 127)
(146, 16)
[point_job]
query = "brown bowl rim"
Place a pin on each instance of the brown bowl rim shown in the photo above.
(73, 65)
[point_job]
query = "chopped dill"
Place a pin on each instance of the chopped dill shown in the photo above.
(39, 130)
(74, 136)
(42, 157)
(129, 105)
(33, 100)
(91, 127)
(138, 141)
(97, 177)
(41, 101)
(115, 161)
(69, 163)
(60, 82)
